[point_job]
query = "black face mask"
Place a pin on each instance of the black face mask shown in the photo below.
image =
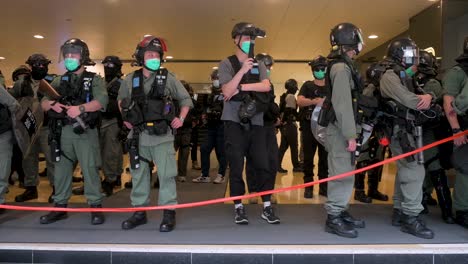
(38, 73)
(111, 73)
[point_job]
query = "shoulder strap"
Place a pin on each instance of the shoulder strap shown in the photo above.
(235, 63)
(87, 85)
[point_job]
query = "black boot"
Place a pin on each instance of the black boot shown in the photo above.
(444, 196)
(336, 225)
(118, 181)
(29, 194)
(128, 185)
(138, 218)
(360, 195)
(348, 218)
(309, 192)
(462, 218)
(168, 222)
(97, 218)
(396, 217)
(54, 216)
(107, 187)
(323, 189)
(373, 185)
(414, 226)
(51, 199)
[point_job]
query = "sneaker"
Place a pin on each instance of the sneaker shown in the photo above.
(219, 179)
(202, 179)
(181, 179)
(269, 215)
(241, 217)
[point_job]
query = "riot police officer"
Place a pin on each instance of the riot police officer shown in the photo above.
(111, 148)
(8, 105)
(246, 90)
(312, 94)
(425, 82)
(341, 133)
(215, 137)
(455, 83)
(395, 87)
(146, 101)
(73, 121)
(374, 149)
(289, 138)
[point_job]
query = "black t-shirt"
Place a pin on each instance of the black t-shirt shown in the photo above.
(310, 91)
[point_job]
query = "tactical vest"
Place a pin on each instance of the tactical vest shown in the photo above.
(157, 108)
(289, 114)
(363, 106)
(77, 95)
(253, 76)
(5, 119)
(112, 109)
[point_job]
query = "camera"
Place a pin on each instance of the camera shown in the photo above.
(254, 32)
(247, 109)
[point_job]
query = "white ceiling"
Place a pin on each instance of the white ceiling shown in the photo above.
(194, 29)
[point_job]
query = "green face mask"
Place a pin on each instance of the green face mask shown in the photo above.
(410, 72)
(153, 64)
(72, 64)
(319, 75)
(245, 47)
(268, 73)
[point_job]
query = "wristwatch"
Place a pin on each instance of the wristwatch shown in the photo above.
(181, 119)
(456, 130)
(82, 109)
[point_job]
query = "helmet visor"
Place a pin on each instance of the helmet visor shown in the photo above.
(70, 49)
(410, 55)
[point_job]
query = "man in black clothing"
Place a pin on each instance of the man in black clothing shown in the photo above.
(312, 94)
(288, 110)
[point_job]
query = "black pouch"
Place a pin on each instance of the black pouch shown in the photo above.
(131, 112)
(157, 128)
(327, 113)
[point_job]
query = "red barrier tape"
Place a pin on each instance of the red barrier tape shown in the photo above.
(227, 199)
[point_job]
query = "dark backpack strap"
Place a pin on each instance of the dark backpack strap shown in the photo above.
(159, 84)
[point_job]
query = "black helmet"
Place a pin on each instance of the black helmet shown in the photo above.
(112, 59)
(427, 63)
(38, 59)
(75, 45)
(346, 34)
(318, 61)
(22, 69)
(265, 58)
(214, 74)
(403, 51)
(374, 72)
(291, 85)
(247, 29)
(149, 43)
